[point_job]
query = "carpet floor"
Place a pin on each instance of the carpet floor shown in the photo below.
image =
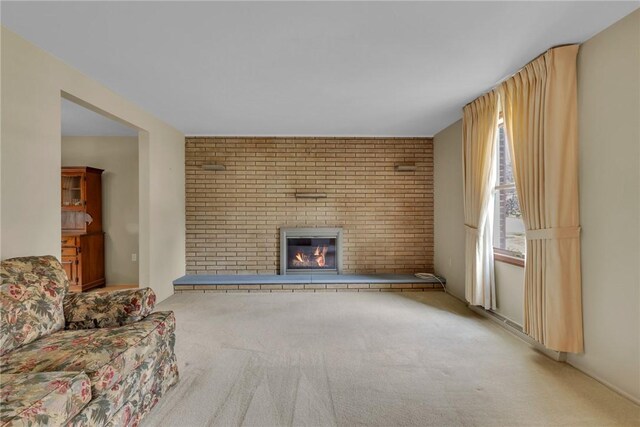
(374, 359)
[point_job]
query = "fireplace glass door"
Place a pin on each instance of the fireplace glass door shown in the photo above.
(311, 253)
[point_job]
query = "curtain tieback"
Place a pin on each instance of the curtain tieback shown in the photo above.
(553, 233)
(471, 229)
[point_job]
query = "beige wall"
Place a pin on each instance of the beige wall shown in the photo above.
(32, 84)
(609, 112)
(510, 291)
(233, 217)
(448, 208)
(609, 129)
(118, 156)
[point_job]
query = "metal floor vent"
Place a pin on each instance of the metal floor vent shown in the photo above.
(504, 320)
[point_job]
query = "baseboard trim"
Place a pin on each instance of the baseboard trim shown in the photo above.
(606, 384)
(506, 324)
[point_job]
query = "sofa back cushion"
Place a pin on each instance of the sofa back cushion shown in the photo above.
(106, 310)
(32, 290)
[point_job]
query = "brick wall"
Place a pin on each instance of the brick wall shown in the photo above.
(234, 216)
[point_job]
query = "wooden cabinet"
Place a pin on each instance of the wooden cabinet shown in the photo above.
(83, 260)
(82, 235)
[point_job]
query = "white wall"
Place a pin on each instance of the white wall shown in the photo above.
(118, 156)
(609, 115)
(32, 84)
(609, 129)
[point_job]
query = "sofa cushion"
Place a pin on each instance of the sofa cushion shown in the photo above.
(144, 398)
(159, 367)
(107, 355)
(31, 293)
(117, 308)
(42, 399)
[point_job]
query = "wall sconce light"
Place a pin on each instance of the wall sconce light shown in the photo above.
(409, 167)
(214, 167)
(300, 195)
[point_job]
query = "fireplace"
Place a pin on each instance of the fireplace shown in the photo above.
(310, 250)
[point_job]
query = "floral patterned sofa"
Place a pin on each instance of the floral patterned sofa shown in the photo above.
(78, 359)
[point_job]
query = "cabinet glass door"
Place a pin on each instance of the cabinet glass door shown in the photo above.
(72, 196)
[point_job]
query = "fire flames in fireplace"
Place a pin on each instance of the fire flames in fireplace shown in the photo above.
(316, 260)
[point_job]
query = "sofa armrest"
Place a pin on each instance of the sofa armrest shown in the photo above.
(104, 310)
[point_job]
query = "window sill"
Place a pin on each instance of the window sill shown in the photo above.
(508, 259)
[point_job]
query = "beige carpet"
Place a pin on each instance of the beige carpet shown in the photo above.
(384, 359)
(111, 288)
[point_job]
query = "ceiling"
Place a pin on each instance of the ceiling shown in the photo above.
(79, 121)
(304, 68)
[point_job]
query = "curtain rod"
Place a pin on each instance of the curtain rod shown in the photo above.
(518, 71)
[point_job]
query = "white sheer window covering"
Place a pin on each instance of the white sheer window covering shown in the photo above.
(478, 149)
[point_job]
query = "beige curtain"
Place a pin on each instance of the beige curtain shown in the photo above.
(540, 115)
(478, 145)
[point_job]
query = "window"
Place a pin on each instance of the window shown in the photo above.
(509, 241)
